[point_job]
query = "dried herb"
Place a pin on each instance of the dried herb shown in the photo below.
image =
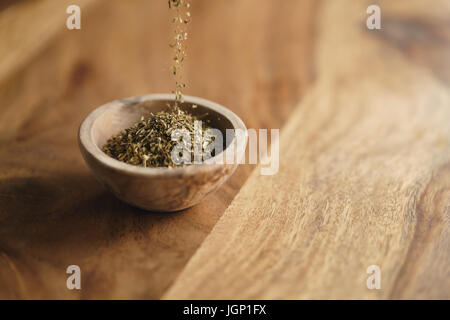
(149, 142)
(181, 19)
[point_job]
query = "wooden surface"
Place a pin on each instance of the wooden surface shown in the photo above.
(52, 211)
(364, 180)
(364, 162)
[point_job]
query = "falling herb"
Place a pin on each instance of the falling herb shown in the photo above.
(149, 143)
(182, 17)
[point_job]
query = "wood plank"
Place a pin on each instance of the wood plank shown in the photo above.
(364, 174)
(27, 29)
(52, 211)
(30, 35)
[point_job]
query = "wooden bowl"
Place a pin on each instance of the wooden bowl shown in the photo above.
(156, 189)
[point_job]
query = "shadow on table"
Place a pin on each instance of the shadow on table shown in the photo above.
(73, 211)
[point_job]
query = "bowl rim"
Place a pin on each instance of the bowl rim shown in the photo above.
(86, 141)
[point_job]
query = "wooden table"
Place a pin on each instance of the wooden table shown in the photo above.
(364, 173)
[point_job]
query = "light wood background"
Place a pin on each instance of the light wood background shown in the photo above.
(364, 162)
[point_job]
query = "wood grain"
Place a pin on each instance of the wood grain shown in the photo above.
(52, 211)
(364, 173)
(30, 35)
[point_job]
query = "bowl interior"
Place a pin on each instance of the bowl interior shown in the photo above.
(121, 115)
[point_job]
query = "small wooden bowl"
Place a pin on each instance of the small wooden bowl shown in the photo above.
(155, 189)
